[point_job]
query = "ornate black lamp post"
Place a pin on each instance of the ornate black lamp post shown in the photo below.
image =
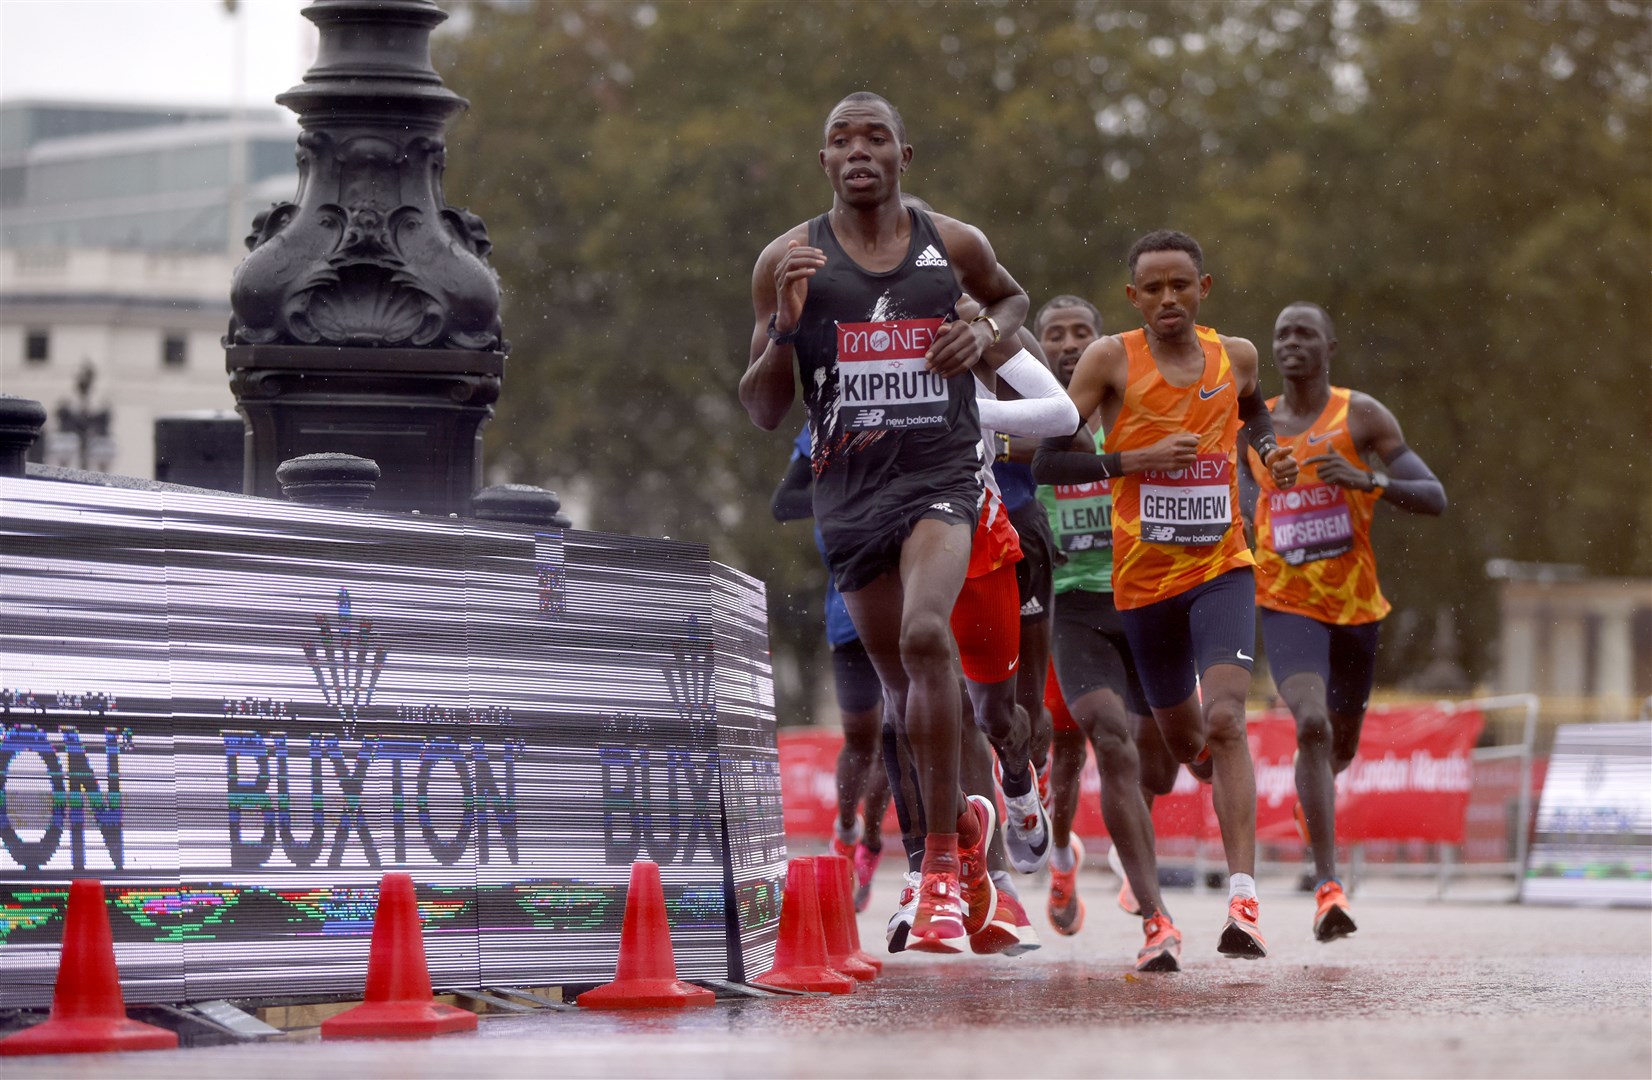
(366, 316)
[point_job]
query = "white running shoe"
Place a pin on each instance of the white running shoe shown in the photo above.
(900, 923)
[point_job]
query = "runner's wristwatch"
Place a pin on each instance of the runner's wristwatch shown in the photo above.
(1379, 480)
(782, 337)
(992, 324)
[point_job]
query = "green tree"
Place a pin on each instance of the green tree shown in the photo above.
(1463, 184)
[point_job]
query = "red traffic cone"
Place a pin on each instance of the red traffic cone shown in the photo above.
(398, 1003)
(88, 1012)
(800, 955)
(836, 875)
(647, 974)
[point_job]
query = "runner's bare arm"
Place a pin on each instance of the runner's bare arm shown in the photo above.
(1411, 484)
(1280, 460)
(779, 287)
(961, 344)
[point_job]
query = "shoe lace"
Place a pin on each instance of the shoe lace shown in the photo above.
(1245, 907)
(938, 893)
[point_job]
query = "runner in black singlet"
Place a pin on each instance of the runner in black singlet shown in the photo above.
(862, 298)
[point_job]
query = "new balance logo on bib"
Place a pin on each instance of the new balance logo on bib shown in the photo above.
(1190, 506)
(930, 257)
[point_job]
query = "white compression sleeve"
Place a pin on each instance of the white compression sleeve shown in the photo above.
(1043, 410)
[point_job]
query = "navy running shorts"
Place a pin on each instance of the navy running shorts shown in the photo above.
(1344, 657)
(1091, 651)
(1174, 640)
(856, 680)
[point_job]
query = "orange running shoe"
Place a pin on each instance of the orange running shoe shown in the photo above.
(1043, 776)
(1301, 823)
(999, 935)
(847, 850)
(980, 896)
(938, 925)
(1241, 937)
(1127, 896)
(1009, 932)
(1332, 920)
(1163, 950)
(1065, 909)
(1202, 767)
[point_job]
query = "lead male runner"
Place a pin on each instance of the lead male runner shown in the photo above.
(1316, 577)
(862, 298)
(1183, 578)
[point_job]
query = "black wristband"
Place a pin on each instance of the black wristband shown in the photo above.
(780, 338)
(1112, 463)
(1258, 423)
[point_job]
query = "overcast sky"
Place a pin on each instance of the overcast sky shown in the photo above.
(170, 51)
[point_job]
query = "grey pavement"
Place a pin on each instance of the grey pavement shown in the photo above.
(1468, 986)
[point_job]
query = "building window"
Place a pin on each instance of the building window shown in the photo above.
(37, 346)
(173, 351)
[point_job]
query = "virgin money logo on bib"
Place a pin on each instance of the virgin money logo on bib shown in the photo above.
(1084, 516)
(1310, 522)
(1190, 506)
(882, 380)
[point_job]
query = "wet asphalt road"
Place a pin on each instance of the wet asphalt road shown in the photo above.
(1426, 988)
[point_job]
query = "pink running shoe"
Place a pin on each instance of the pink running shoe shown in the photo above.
(866, 864)
(979, 893)
(938, 925)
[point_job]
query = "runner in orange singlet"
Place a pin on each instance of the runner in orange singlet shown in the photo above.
(1316, 577)
(1173, 397)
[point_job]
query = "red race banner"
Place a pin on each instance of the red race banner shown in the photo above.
(1412, 780)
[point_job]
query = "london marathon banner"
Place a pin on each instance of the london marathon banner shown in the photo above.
(239, 714)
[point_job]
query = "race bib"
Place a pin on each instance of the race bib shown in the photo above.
(1191, 506)
(882, 382)
(1084, 516)
(1310, 522)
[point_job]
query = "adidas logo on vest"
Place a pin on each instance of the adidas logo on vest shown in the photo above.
(930, 257)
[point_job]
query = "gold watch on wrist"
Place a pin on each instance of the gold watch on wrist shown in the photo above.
(991, 325)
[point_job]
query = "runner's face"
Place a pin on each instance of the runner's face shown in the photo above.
(1301, 347)
(1167, 290)
(863, 158)
(1064, 335)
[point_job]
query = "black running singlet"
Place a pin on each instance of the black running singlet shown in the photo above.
(881, 426)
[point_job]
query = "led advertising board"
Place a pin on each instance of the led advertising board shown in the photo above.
(1593, 839)
(239, 713)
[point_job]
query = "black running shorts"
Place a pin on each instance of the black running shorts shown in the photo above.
(871, 547)
(1091, 651)
(1033, 574)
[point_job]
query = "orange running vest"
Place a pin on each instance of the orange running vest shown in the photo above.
(1177, 530)
(1313, 542)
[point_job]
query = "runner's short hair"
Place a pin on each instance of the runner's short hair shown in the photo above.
(1324, 316)
(1166, 240)
(864, 97)
(1066, 300)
